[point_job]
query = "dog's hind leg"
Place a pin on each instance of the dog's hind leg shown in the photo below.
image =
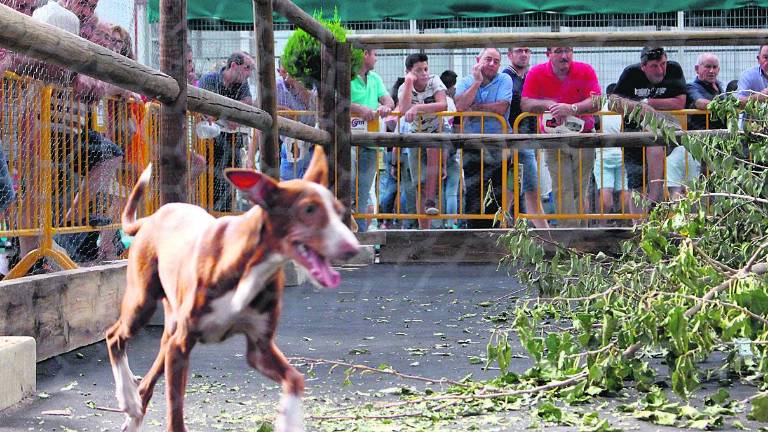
(267, 358)
(147, 385)
(139, 302)
(179, 345)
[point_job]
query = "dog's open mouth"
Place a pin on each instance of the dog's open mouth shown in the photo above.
(319, 267)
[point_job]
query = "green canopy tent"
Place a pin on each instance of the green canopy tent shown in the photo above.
(241, 11)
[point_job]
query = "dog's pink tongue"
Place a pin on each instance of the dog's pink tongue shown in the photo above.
(323, 273)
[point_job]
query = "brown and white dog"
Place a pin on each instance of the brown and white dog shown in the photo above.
(218, 277)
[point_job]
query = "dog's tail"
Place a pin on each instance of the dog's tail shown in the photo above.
(130, 224)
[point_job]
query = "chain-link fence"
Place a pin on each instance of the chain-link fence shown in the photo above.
(63, 140)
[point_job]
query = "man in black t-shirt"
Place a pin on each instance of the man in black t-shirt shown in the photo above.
(657, 84)
(519, 64)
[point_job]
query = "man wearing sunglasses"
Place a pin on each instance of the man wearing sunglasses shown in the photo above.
(657, 84)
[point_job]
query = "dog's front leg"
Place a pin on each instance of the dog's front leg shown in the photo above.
(176, 373)
(267, 358)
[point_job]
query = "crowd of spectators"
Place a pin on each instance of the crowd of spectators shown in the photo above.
(565, 95)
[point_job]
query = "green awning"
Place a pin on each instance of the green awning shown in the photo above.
(241, 11)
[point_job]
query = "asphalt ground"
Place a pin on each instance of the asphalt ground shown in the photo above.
(411, 318)
(426, 320)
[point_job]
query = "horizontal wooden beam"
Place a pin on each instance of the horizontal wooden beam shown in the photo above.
(303, 20)
(213, 104)
(22, 34)
(517, 141)
(25, 35)
(574, 39)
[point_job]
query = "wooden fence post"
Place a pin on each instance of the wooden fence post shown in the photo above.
(265, 65)
(328, 105)
(173, 114)
(343, 126)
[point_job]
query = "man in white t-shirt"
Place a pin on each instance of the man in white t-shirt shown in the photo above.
(420, 96)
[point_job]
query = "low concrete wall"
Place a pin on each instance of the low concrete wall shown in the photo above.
(65, 310)
(17, 369)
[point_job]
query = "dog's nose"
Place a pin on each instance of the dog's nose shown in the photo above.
(348, 250)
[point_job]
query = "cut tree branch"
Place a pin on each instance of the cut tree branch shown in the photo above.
(375, 370)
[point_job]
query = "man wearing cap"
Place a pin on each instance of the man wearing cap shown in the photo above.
(657, 84)
(564, 89)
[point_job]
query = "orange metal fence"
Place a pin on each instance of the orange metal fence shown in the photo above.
(69, 182)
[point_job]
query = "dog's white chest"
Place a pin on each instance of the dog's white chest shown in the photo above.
(230, 312)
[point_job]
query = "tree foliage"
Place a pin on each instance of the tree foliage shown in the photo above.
(691, 285)
(684, 302)
(301, 56)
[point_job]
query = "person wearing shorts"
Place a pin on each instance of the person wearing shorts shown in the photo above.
(657, 84)
(519, 65)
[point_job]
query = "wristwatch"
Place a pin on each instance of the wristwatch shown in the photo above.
(644, 100)
(574, 108)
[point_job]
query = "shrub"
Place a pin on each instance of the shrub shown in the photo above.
(301, 57)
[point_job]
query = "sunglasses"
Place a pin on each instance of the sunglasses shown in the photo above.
(653, 54)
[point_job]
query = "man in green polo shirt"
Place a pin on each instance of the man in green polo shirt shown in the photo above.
(370, 101)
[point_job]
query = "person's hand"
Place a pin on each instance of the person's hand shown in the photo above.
(477, 72)
(411, 114)
(368, 114)
(445, 168)
(383, 111)
(646, 108)
(560, 111)
(410, 77)
(283, 73)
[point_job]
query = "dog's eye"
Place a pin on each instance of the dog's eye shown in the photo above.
(310, 209)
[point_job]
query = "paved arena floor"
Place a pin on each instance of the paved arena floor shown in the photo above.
(420, 319)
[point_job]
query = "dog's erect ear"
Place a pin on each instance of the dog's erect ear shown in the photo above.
(258, 187)
(318, 168)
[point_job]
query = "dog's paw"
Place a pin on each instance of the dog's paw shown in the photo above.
(131, 424)
(289, 417)
(129, 402)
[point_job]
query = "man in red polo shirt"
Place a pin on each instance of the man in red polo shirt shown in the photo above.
(563, 90)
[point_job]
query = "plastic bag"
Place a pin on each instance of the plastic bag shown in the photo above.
(207, 130)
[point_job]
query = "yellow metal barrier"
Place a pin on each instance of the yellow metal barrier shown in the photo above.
(419, 212)
(582, 214)
(55, 167)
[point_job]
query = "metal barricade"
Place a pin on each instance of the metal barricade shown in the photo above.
(599, 212)
(403, 173)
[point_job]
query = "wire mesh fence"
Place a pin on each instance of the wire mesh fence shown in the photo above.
(212, 42)
(62, 138)
(97, 138)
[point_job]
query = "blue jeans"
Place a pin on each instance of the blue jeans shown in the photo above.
(367, 169)
(451, 189)
(530, 180)
(293, 169)
(410, 161)
(387, 187)
(527, 158)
